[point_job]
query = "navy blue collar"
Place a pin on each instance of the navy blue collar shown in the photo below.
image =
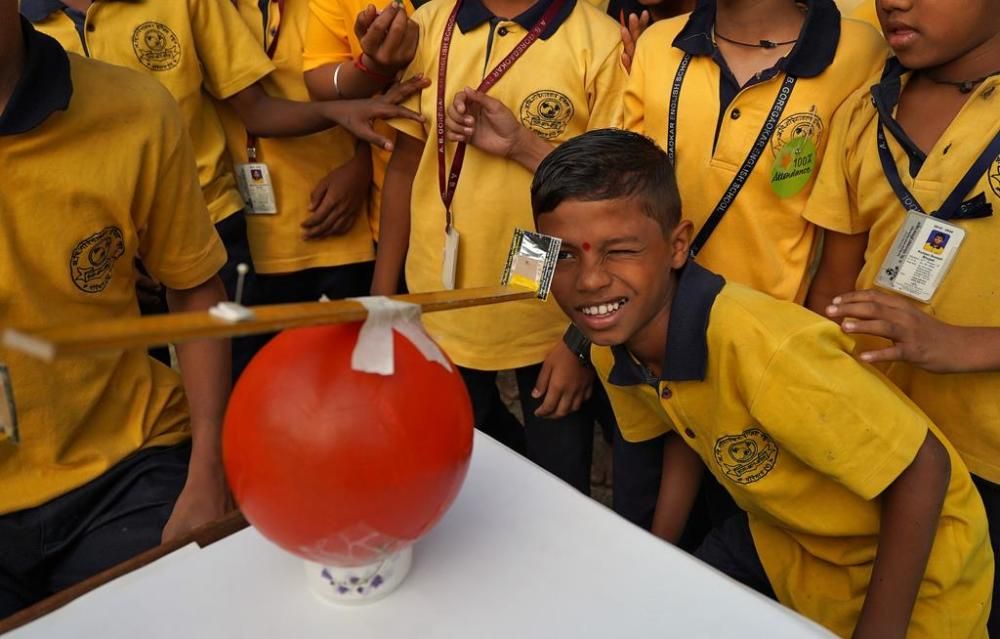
(474, 13)
(38, 10)
(811, 55)
(686, 354)
(885, 96)
(45, 85)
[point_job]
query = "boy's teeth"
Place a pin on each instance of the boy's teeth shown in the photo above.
(603, 309)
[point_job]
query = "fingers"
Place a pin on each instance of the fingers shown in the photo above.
(892, 354)
(394, 35)
(542, 383)
(627, 62)
(879, 328)
(491, 105)
(317, 195)
(390, 111)
(378, 29)
(410, 41)
(459, 126)
(364, 20)
(402, 90)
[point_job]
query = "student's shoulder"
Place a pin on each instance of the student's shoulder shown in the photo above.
(126, 97)
(760, 323)
(597, 21)
(433, 14)
(861, 45)
(661, 34)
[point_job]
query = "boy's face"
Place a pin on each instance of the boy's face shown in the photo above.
(929, 33)
(615, 268)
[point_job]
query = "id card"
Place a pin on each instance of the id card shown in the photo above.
(449, 267)
(254, 182)
(921, 254)
(8, 412)
(531, 262)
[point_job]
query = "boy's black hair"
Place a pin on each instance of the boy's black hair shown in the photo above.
(608, 164)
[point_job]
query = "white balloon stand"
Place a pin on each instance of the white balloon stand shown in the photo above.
(359, 584)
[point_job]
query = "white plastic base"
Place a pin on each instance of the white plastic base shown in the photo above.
(359, 584)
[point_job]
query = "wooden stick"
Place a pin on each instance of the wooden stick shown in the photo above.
(135, 332)
(203, 536)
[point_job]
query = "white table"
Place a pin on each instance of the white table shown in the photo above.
(520, 554)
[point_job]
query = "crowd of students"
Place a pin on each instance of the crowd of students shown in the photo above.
(726, 177)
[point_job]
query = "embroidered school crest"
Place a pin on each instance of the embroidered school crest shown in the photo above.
(93, 259)
(994, 176)
(747, 457)
(547, 113)
(806, 124)
(156, 46)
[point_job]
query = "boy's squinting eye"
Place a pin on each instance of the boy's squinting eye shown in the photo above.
(565, 255)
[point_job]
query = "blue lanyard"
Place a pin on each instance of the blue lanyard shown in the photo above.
(954, 208)
(743, 174)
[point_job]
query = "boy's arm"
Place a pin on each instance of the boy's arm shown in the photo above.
(267, 116)
(205, 370)
(394, 238)
(388, 40)
(842, 260)
(911, 509)
(917, 338)
(680, 480)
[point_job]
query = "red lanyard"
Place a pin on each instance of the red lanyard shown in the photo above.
(252, 139)
(448, 184)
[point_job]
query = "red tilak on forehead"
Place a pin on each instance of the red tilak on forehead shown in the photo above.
(586, 246)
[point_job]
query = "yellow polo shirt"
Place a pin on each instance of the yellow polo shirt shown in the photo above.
(853, 196)
(197, 49)
(805, 438)
(580, 89)
(103, 177)
(330, 39)
(297, 164)
(763, 240)
(865, 12)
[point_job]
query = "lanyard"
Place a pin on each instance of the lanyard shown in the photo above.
(448, 183)
(953, 208)
(743, 174)
(271, 49)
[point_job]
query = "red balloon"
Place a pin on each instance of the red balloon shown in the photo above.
(338, 466)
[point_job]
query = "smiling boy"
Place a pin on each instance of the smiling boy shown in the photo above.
(858, 514)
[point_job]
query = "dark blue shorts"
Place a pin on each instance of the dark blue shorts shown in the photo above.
(102, 523)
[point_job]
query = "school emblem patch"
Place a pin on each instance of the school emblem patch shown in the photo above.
(794, 146)
(547, 113)
(156, 46)
(93, 259)
(747, 457)
(994, 177)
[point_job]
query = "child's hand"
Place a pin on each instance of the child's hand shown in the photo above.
(630, 35)
(916, 337)
(357, 115)
(564, 382)
(338, 198)
(483, 122)
(388, 38)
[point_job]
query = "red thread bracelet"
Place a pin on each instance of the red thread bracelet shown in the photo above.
(360, 66)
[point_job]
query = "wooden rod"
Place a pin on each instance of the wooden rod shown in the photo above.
(135, 332)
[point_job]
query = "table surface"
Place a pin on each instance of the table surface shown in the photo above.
(519, 554)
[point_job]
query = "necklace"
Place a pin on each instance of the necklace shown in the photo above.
(964, 86)
(762, 44)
